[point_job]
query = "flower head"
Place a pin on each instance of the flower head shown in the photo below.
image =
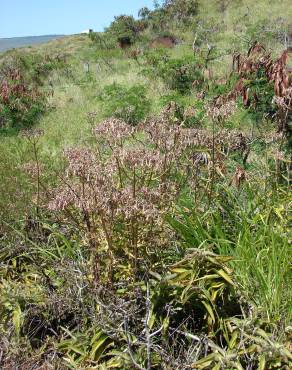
(113, 130)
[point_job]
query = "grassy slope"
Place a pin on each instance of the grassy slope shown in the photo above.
(65, 124)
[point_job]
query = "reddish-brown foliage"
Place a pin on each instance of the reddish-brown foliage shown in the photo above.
(276, 72)
(256, 58)
(163, 41)
(17, 98)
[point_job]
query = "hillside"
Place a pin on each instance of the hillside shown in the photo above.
(145, 193)
(16, 42)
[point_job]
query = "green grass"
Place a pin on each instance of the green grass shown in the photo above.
(251, 226)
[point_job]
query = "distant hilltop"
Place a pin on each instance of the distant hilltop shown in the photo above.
(89, 30)
(17, 42)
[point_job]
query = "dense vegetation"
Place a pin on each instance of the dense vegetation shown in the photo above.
(144, 195)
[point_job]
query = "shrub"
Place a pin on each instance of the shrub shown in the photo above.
(119, 197)
(191, 112)
(127, 103)
(125, 29)
(104, 41)
(177, 74)
(21, 77)
(34, 68)
(19, 103)
(259, 79)
(261, 93)
(153, 57)
(181, 10)
(169, 12)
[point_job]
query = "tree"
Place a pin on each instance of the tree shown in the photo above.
(181, 10)
(144, 13)
(125, 29)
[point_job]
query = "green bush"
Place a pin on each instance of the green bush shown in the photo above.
(177, 74)
(22, 75)
(34, 68)
(261, 93)
(125, 29)
(168, 13)
(190, 110)
(127, 103)
(181, 10)
(103, 40)
(19, 103)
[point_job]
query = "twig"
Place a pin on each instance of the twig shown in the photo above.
(136, 365)
(147, 331)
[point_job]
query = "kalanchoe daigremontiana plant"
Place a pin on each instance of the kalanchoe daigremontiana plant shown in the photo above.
(118, 197)
(220, 113)
(119, 192)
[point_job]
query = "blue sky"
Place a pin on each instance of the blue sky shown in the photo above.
(46, 17)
